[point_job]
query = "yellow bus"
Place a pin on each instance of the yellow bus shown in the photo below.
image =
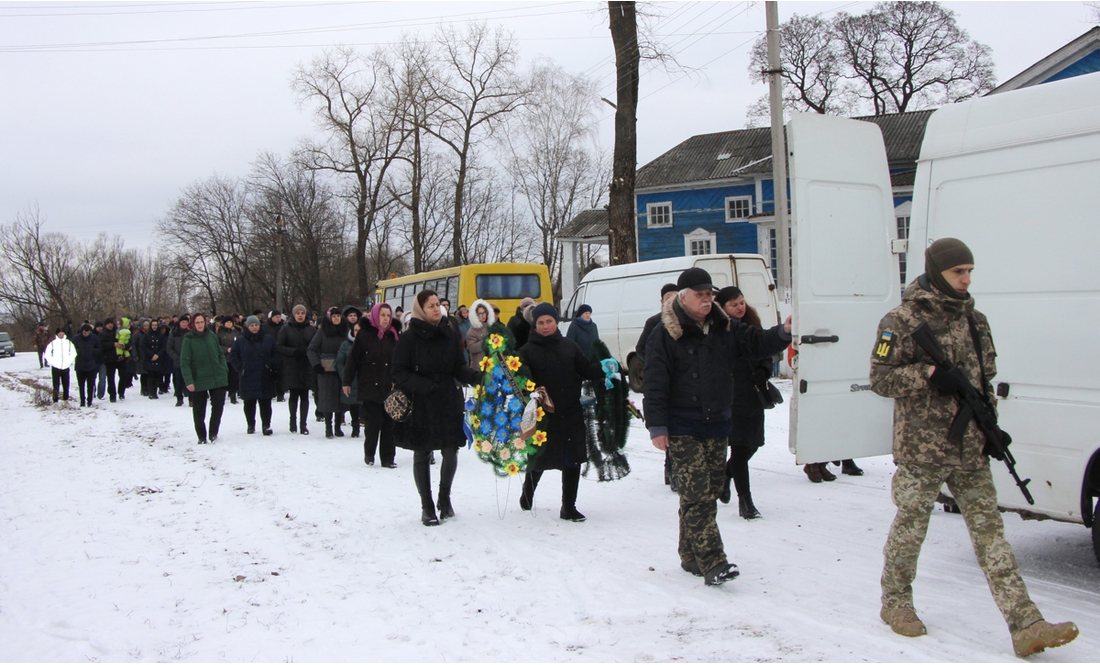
(503, 284)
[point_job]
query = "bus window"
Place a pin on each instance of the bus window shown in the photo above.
(491, 287)
(452, 291)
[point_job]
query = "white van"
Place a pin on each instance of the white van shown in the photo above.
(1013, 175)
(623, 297)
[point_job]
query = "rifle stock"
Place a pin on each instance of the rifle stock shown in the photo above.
(973, 405)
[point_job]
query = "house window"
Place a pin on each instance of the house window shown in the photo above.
(658, 214)
(903, 234)
(700, 243)
(738, 208)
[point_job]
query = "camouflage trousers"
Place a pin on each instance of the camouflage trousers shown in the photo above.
(699, 466)
(915, 488)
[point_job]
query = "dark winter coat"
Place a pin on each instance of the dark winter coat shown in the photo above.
(583, 333)
(558, 364)
(226, 337)
(202, 361)
(88, 356)
(647, 330)
(427, 362)
(689, 373)
(369, 364)
(155, 343)
(325, 345)
(107, 346)
(175, 345)
(255, 359)
(136, 351)
(272, 329)
(520, 327)
(750, 375)
(293, 342)
(341, 367)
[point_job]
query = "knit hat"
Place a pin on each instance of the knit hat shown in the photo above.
(668, 288)
(526, 302)
(544, 309)
(582, 309)
(252, 319)
(298, 308)
(87, 326)
(274, 312)
(727, 294)
(945, 254)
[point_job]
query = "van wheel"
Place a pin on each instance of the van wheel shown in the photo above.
(635, 367)
(1096, 531)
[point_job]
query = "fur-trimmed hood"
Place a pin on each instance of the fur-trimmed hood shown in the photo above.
(675, 318)
(475, 322)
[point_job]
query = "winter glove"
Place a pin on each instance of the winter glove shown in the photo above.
(992, 451)
(944, 383)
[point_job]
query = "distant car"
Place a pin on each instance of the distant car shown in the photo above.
(7, 348)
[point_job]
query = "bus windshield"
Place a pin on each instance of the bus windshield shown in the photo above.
(490, 287)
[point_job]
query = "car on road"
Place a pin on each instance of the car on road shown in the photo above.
(7, 347)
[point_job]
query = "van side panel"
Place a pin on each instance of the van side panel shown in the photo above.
(1029, 213)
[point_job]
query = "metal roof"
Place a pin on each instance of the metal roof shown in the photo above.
(588, 224)
(744, 152)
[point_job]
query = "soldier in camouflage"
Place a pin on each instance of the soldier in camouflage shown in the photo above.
(924, 408)
(688, 386)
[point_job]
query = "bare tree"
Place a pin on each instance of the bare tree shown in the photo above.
(40, 273)
(208, 231)
(622, 223)
(473, 86)
(813, 70)
(365, 129)
(1094, 11)
(552, 154)
(912, 55)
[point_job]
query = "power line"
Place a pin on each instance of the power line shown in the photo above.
(157, 8)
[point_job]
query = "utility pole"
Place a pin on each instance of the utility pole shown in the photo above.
(280, 232)
(779, 152)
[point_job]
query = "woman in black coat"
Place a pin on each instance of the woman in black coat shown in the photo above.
(297, 377)
(558, 364)
(154, 356)
(369, 365)
(747, 434)
(88, 359)
(254, 357)
(427, 363)
(322, 356)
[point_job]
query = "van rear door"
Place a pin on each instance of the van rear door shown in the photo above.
(845, 278)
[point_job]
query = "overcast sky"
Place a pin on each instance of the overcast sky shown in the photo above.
(109, 109)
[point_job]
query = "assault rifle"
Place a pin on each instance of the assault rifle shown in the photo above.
(973, 405)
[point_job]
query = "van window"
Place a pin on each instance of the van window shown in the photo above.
(452, 291)
(5, 337)
(491, 287)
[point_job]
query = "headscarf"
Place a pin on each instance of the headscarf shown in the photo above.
(375, 317)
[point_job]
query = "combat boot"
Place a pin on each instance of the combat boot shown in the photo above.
(1042, 635)
(813, 471)
(848, 467)
(746, 509)
(826, 474)
(692, 567)
(904, 621)
(720, 574)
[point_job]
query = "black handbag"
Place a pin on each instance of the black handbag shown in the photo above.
(768, 395)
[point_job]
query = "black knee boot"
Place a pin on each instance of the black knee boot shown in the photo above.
(570, 482)
(446, 478)
(530, 484)
(328, 426)
(423, 478)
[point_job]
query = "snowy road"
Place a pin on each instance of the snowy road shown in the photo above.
(120, 539)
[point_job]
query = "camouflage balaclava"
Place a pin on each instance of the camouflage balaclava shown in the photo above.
(945, 254)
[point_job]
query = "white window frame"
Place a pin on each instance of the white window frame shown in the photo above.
(649, 209)
(748, 212)
(700, 235)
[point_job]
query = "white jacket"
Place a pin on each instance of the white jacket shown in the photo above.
(60, 353)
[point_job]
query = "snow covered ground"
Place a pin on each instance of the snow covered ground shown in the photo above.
(120, 540)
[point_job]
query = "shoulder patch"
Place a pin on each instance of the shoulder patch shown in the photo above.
(885, 344)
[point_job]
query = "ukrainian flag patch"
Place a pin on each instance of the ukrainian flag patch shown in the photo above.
(885, 344)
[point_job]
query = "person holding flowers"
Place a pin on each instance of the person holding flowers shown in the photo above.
(558, 365)
(427, 364)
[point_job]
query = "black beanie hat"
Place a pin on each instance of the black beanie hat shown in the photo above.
(945, 254)
(727, 294)
(544, 309)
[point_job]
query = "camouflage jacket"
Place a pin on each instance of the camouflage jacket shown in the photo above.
(899, 369)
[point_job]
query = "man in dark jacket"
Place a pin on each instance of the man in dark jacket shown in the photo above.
(520, 324)
(175, 348)
(637, 367)
(297, 377)
(688, 391)
(107, 339)
(88, 359)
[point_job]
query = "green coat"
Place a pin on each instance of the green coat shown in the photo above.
(202, 362)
